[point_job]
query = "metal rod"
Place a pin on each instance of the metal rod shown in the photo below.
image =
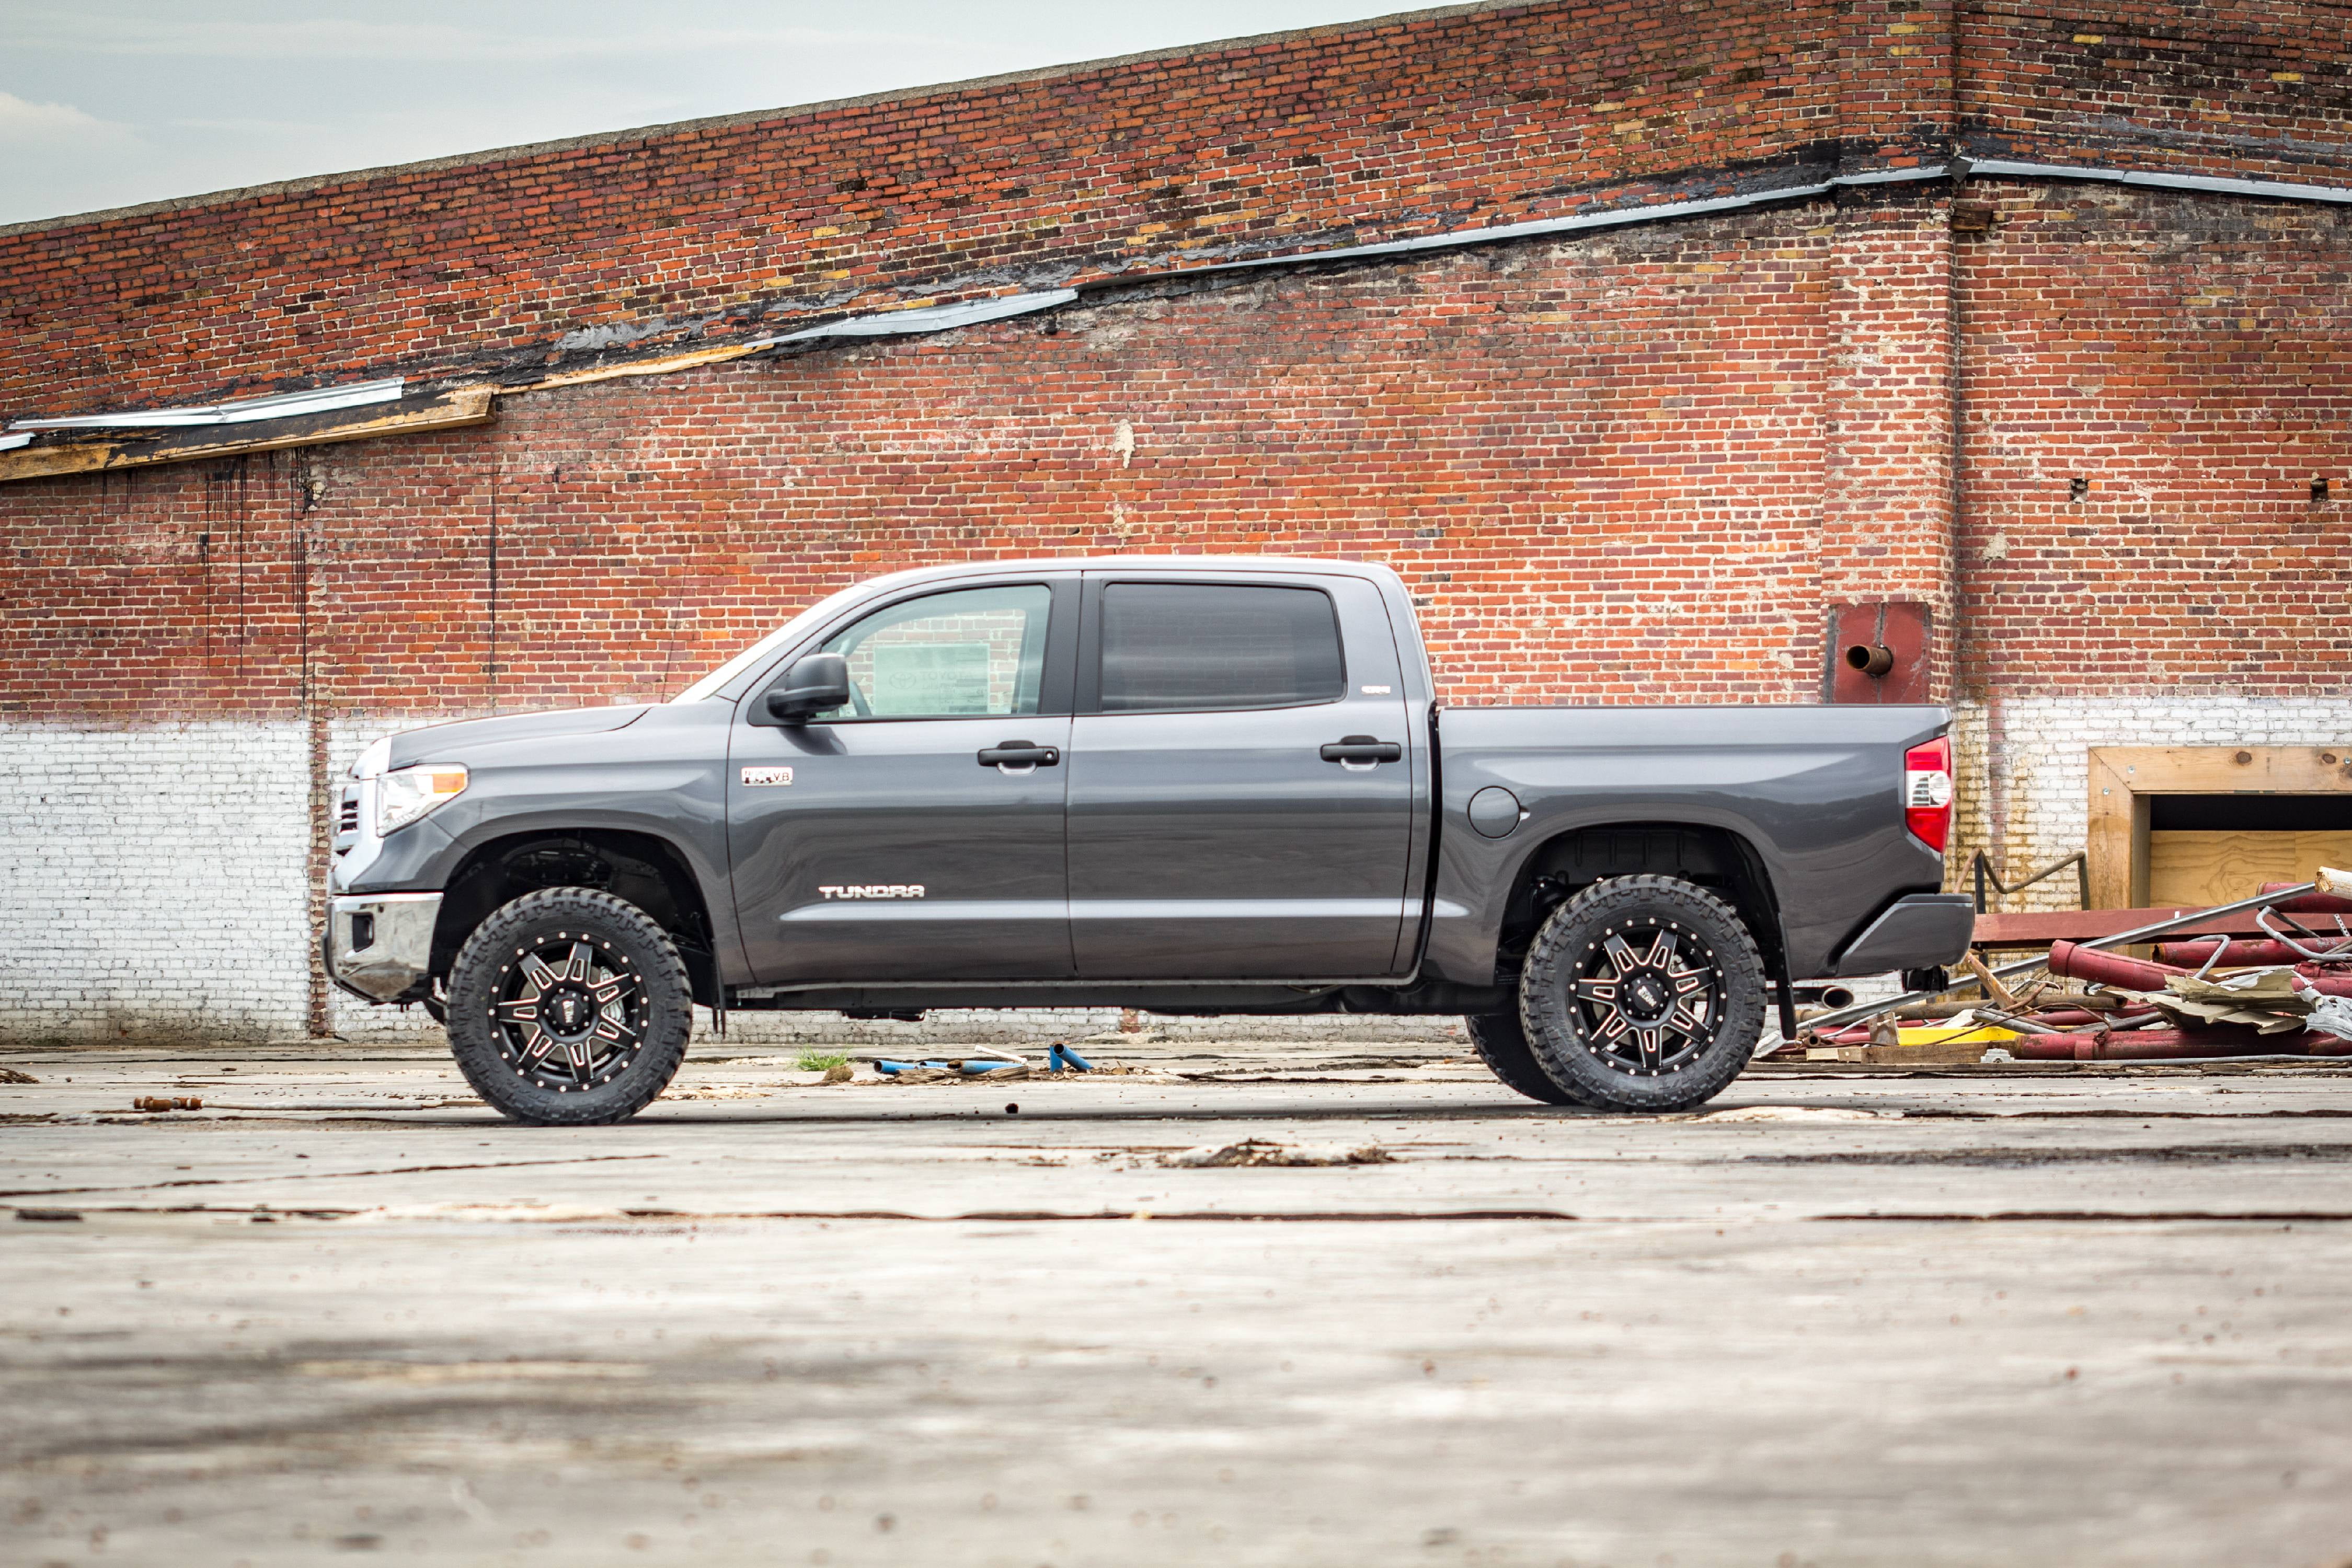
(2285, 940)
(2011, 1020)
(2121, 939)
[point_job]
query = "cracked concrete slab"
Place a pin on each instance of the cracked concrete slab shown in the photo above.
(1835, 1318)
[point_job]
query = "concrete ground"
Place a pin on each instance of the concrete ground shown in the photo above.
(1840, 1317)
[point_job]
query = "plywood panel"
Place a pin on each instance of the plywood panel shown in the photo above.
(2189, 870)
(2123, 777)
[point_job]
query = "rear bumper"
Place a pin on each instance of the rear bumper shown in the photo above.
(1918, 931)
(379, 945)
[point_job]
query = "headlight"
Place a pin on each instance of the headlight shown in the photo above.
(406, 794)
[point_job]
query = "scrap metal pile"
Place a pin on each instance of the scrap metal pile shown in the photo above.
(2279, 988)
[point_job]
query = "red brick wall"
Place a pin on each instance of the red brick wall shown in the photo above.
(1551, 441)
(2251, 91)
(1634, 465)
(2191, 358)
(1360, 132)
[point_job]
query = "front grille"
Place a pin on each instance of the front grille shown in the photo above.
(347, 822)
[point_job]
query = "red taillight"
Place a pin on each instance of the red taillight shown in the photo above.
(1927, 792)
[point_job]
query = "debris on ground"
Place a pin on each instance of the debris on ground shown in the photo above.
(949, 1072)
(2216, 997)
(1797, 1113)
(158, 1103)
(840, 1072)
(820, 1060)
(1263, 1152)
(10, 1075)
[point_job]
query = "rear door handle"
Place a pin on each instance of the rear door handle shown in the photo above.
(1019, 757)
(1362, 751)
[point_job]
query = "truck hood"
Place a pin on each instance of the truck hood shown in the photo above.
(451, 742)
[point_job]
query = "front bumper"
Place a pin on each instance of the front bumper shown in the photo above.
(379, 945)
(1918, 931)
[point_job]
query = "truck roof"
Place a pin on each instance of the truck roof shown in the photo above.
(1205, 563)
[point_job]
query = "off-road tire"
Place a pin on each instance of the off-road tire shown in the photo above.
(640, 968)
(1501, 1042)
(1702, 1003)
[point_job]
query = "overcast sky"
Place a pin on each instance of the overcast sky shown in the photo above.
(104, 103)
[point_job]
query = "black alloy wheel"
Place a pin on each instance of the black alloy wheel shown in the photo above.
(1642, 993)
(569, 1007)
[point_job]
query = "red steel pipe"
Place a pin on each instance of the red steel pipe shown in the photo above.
(2162, 1044)
(2234, 955)
(2077, 962)
(2241, 955)
(2310, 903)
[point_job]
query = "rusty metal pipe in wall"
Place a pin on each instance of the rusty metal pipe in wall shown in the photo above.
(1870, 658)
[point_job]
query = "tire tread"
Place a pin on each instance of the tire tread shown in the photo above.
(1554, 1034)
(1501, 1042)
(669, 1022)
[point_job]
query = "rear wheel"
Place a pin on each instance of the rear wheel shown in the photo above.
(1642, 993)
(1501, 1045)
(568, 1007)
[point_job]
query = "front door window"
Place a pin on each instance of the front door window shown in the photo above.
(977, 653)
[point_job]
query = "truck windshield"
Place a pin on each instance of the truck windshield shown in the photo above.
(711, 684)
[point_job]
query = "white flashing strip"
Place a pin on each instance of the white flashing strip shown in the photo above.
(947, 317)
(245, 410)
(2280, 189)
(1613, 217)
(931, 318)
(10, 443)
(1618, 216)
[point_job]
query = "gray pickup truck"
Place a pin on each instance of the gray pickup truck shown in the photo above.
(1184, 784)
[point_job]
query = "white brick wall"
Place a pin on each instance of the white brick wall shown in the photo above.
(2045, 779)
(151, 881)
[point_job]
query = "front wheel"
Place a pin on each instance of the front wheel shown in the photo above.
(568, 1007)
(1642, 993)
(1501, 1043)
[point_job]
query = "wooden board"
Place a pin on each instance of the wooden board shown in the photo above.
(2123, 777)
(441, 411)
(2041, 927)
(2191, 868)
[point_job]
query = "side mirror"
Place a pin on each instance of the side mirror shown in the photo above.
(810, 686)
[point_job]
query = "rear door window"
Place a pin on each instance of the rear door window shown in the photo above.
(1192, 646)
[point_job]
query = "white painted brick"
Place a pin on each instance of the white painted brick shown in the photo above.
(151, 880)
(2046, 779)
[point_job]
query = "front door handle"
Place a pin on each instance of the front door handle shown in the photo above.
(1362, 751)
(1019, 757)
